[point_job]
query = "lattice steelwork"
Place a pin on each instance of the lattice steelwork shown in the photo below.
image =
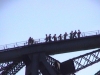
(51, 60)
(86, 60)
(15, 68)
(4, 65)
(12, 68)
(80, 62)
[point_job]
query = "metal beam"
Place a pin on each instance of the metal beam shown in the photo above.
(98, 73)
(13, 68)
(32, 68)
(51, 48)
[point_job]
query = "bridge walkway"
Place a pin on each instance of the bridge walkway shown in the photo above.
(88, 40)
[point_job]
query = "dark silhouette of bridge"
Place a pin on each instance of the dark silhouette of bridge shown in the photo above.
(35, 57)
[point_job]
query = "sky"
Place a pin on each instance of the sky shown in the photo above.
(20, 19)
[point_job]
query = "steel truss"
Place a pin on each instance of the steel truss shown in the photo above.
(13, 68)
(3, 66)
(86, 60)
(83, 61)
(80, 63)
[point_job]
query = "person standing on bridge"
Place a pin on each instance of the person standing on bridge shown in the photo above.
(49, 38)
(46, 39)
(79, 33)
(32, 41)
(29, 41)
(65, 35)
(60, 37)
(54, 37)
(71, 35)
(74, 34)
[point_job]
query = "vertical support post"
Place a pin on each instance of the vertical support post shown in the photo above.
(35, 64)
(32, 68)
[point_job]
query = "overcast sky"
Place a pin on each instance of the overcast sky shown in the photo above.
(20, 19)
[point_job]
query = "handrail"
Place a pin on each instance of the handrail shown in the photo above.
(42, 40)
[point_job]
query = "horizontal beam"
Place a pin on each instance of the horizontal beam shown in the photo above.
(50, 48)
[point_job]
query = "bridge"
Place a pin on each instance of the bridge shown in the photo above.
(38, 62)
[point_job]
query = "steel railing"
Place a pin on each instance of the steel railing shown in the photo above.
(42, 40)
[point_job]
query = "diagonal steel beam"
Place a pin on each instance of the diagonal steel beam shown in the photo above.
(98, 73)
(13, 68)
(4, 65)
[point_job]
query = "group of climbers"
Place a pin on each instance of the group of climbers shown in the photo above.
(74, 34)
(49, 38)
(30, 41)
